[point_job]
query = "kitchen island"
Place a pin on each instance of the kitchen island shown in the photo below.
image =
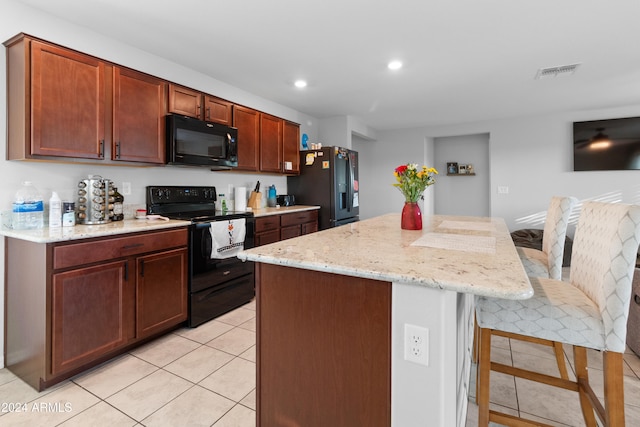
(332, 310)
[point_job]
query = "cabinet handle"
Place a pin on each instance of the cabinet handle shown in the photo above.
(126, 271)
(101, 149)
(118, 150)
(142, 268)
(197, 110)
(133, 246)
(208, 114)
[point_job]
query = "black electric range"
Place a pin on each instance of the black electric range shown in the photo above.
(216, 285)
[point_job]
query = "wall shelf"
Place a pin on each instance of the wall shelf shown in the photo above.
(461, 174)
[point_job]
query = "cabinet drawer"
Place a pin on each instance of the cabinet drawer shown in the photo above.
(271, 222)
(69, 255)
(298, 218)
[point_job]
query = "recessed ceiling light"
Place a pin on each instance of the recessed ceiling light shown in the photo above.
(300, 83)
(394, 65)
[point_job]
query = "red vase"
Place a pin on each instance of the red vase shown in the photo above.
(411, 216)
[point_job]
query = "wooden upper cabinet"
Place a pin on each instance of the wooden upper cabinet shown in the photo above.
(198, 105)
(67, 103)
(185, 101)
(291, 147)
(138, 117)
(270, 143)
(217, 110)
(247, 121)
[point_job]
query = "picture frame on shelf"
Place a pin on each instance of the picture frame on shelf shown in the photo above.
(452, 167)
(470, 169)
(462, 169)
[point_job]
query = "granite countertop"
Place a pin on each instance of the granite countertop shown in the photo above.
(282, 210)
(463, 254)
(81, 231)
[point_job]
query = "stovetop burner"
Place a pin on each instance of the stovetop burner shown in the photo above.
(196, 204)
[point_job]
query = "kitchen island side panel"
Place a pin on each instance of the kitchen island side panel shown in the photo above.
(324, 349)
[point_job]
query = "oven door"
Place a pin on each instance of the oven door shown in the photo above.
(207, 272)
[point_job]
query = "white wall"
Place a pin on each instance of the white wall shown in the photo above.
(462, 194)
(16, 18)
(531, 155)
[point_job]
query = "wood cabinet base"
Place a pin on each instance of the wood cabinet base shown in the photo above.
(324, 349)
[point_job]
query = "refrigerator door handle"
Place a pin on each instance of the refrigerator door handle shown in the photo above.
(351, 182)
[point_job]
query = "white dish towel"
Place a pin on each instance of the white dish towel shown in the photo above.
(227, 237)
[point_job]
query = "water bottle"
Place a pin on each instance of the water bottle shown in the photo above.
(271, 196)
(28, 208)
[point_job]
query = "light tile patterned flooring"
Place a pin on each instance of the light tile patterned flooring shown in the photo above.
(206, 377)
(192, 377)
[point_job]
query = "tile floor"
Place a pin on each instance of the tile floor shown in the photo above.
(206, 377)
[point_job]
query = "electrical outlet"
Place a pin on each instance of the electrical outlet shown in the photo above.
(126, 188)
(503, 189)
(416, 344)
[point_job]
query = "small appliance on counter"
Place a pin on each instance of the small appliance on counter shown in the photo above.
(94, 196)
(286, 200)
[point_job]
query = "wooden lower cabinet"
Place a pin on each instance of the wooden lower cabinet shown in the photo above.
(76, 304)
(161, 291)
(273, 228)
(92, 313)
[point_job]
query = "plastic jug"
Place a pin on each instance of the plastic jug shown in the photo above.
(271, 196)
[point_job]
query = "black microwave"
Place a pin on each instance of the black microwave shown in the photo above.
(193, 142)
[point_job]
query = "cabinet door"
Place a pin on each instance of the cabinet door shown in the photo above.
(289, 232)
(291, 148)
(247, 121)
(217, 110)
(185, 101)
(310, 227)
(67, 103)
(91, 314)
(138, 117)
(270, 143)
(161, 291)
(267, 237)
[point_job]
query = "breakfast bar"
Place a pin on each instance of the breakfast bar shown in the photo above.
(369, 324)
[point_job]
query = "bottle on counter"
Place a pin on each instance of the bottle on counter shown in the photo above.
(55, 210)
(28, 208)
(271, 197)
(68, 214)
(118, 205)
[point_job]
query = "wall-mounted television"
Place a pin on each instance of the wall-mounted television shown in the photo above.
(612, 144)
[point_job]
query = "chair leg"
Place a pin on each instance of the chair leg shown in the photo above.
(484, 371)
(613, 389)
(562, 366)
(580, 358)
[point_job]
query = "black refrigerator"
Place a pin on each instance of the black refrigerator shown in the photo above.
(329, 179)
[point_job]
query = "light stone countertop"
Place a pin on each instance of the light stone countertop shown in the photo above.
(81, 231)
(282, 210)
(481, 258)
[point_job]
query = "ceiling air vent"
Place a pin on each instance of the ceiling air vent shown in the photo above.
(563, 70)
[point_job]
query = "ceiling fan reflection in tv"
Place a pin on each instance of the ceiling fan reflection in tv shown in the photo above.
(612, 144)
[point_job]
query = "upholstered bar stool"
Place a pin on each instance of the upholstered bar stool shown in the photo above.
(548, 261)
(588, 311)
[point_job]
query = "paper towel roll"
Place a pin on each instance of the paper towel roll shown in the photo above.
(240, 199)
